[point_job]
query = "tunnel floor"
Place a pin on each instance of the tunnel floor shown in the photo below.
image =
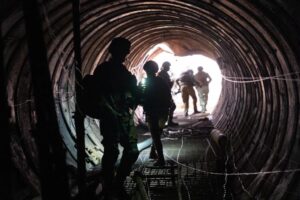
(191, 172)
(185, 175)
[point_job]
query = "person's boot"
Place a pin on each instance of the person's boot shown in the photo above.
(108, 193)
(171, 123)
(161, 159)
(118, 187)
(117, 192)
(122, 194)
(153, 154)
(196, 111)
(186, 113)
(160, 162)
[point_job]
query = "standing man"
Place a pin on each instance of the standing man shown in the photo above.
(156, 102)
(186, 84)
(166, 77)
(116, 90)
(203, 79)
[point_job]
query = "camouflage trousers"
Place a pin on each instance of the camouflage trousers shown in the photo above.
(115, 131)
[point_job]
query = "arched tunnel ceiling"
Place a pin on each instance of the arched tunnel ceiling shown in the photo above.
(257, 40)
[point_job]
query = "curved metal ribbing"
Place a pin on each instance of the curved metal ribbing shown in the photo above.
(259, 113)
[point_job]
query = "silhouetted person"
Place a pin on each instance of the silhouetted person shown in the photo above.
(118, 89)
(186, 84)
(166, 77)
(156, 104)
(203, 79)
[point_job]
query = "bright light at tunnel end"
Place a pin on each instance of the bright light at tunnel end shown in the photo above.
(183, 63)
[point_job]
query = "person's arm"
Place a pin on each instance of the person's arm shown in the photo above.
(164, 88)
(209, 78)
(195, 82)
(177, 82)
(104, 98)
(196, 78)
(169, 81)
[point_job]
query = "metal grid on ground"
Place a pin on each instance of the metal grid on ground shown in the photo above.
(185, 147)
(191, 184)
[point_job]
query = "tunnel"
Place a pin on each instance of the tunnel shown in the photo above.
(255, 43)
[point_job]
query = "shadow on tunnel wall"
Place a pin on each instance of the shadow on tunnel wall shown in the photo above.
(256, 44)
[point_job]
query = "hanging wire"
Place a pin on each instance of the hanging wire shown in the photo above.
(235, 167)
(182, 178)
(281, 77)
(234, 163)
(235, 174)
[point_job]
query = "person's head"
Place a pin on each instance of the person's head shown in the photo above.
(119, 48)
(166, 66)
(151, 68)
(200, 68)
(190, 72)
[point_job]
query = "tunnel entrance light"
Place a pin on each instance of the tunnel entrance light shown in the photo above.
(180, 64)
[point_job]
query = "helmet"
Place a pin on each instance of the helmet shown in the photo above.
(119, 45)
(166, 66)
(200, 68)
(150, 67)
(190, 71)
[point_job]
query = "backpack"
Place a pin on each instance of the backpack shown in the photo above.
(90, 94)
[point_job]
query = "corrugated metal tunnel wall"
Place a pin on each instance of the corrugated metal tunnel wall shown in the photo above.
(256, 44)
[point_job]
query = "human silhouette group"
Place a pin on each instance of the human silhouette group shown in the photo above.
(118, 95)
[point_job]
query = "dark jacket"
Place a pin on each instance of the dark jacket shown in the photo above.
(166, 77)
(156, 96)
(186, 79)
(117, 85)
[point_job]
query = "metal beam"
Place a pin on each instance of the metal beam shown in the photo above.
(53, 173)
(5, 153)
(79, 116)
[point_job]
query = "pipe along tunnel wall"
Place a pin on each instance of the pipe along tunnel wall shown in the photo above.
(256, 44)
